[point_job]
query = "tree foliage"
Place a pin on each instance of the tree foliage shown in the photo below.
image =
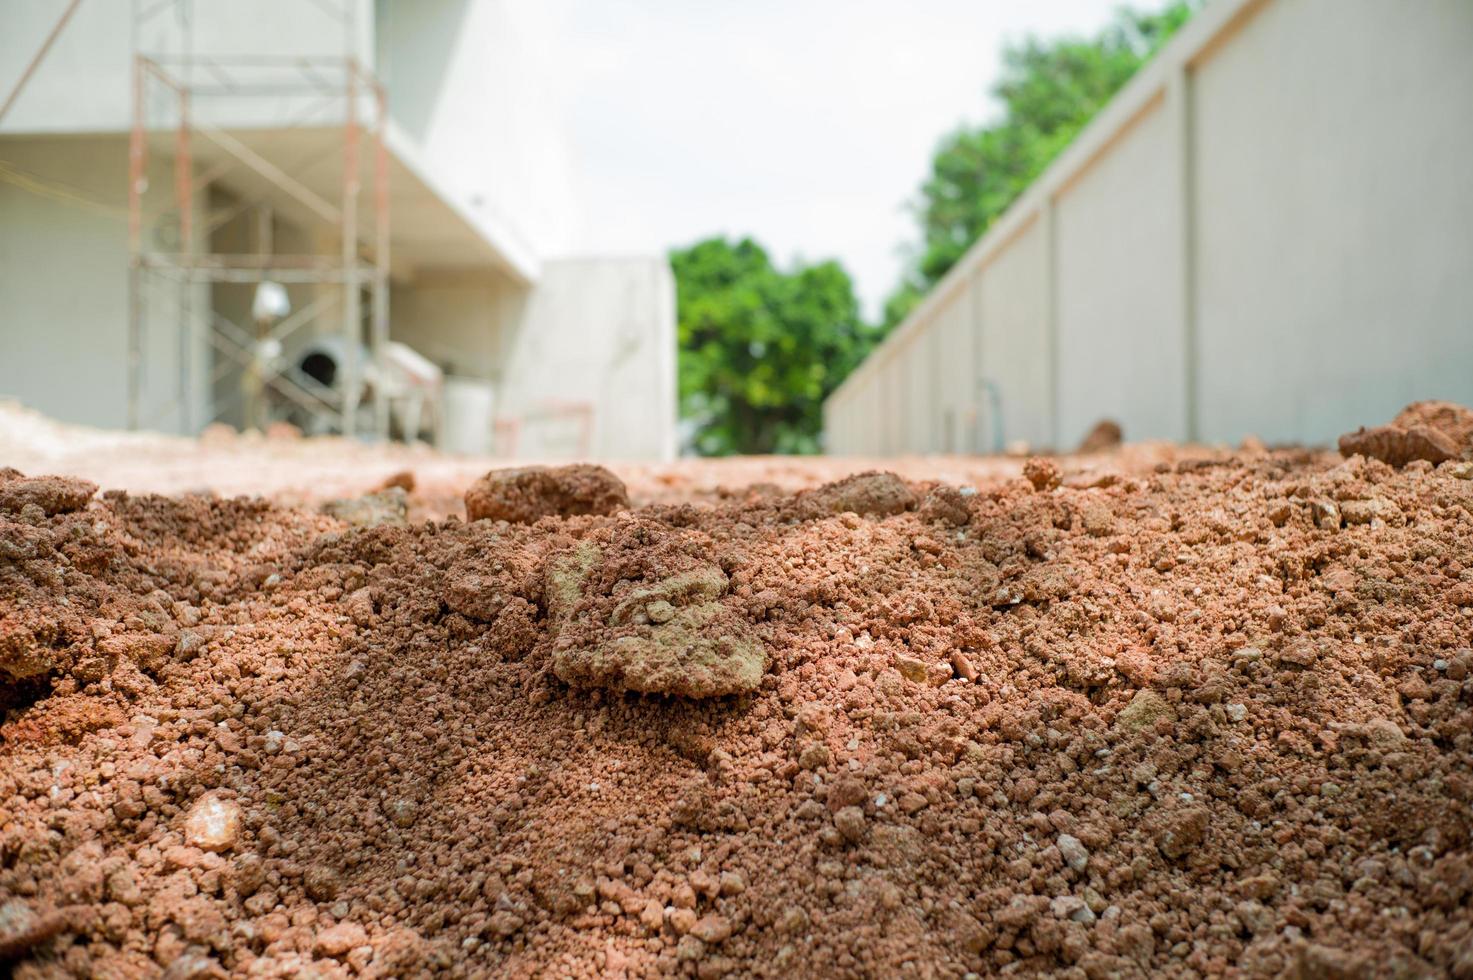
(1049, 90)
(760, 348)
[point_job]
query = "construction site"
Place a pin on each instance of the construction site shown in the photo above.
(358, 619)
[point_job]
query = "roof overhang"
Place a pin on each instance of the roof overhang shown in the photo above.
(430, 225)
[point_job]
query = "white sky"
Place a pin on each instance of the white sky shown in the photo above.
(807, 124)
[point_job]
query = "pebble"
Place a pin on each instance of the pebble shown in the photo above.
(652, 916)
(1073, 852)
(339, 939)
(849, 821)
(711, 929)
(213, 823)
(681, 920)
(815, 755)
(1237, 712)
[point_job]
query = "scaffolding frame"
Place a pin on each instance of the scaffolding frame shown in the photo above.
(359, 265)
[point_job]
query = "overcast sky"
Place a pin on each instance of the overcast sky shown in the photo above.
(807, 124)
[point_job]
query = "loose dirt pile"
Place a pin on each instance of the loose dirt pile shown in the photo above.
(1207, 716)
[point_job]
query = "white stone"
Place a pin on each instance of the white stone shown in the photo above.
(213, 823)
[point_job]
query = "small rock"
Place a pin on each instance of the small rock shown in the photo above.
(401, 812)
(1433, 431)
(1105, 435)
(945, 505)
(213, 823)
(866, 494)
(732, 883)
(194, 966)
(794, 920)
(1073, 852)
(403, 479)
(1182, 831)
(1386, 735)
(850, 822)
(1042, 473)
(1072, 908)
(22, 928)
(912, 802)
(652, 916)
(528, 494)
(912, 669)
(682, 920)
(711, 929)
(1143, 711)
(386, 507)
(962, 665)
(321, 883)
(504, 923)
(336, 941)
(1326, 514)
(52, 494)
(815, 755)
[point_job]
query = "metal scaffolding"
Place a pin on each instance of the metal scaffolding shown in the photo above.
(175, 271)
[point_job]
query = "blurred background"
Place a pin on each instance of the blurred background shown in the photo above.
(631, 229)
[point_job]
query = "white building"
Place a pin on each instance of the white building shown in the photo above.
(545, 353)
(1268, 231)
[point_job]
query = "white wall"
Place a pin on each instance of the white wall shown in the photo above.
(476, 83)
(473, 84)
(64, 288)
(1334, 193)
(1119, 330)
(463, 321)
(601, 333)
(1266, 232)
(85, 83)
(1013, 312)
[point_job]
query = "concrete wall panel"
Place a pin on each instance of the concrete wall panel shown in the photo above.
(1014, 336)
(598, 333)
(1119, 314)
(1334, 208)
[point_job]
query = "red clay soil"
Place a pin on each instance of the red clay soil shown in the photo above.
(1211, 717)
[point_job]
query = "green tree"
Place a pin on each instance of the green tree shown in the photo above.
(760, 348)
(1049, 90)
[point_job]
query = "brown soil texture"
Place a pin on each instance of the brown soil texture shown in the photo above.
(1208, 716)
(1432, 431)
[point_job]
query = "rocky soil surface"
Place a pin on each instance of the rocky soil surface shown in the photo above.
(1205, 713)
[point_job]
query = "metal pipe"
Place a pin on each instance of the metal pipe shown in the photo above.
(38, 57)
(352, 311)
(137, 155)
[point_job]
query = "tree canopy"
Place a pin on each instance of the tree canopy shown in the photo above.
(760, 347)
(1049, 90)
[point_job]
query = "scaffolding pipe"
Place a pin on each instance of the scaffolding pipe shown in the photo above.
(38, 57)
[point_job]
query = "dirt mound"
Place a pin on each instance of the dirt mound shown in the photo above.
(1432, 431)
(1211, 716)
(528, 494)
(50, 495)
(866, 494)
(1105, 435)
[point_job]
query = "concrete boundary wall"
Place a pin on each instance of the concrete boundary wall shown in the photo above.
(1265, 232)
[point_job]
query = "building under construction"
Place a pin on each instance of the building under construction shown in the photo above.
(343, 214)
